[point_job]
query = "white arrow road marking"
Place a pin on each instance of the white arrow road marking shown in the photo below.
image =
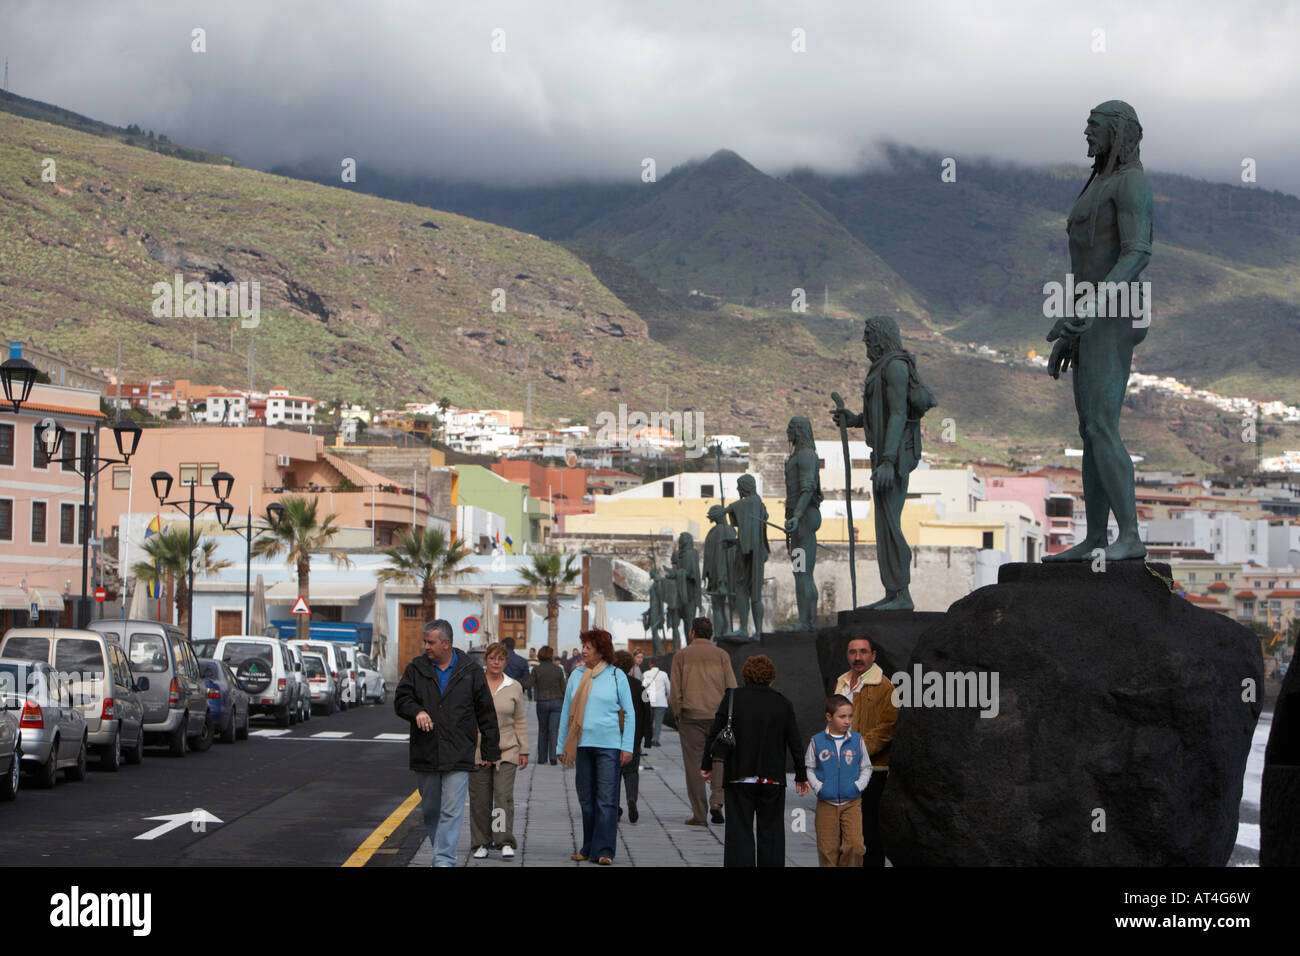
(393, 737)
(174, 820)
(333, 734)
(267, 733)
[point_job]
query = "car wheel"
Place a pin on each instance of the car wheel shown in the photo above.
(334, 707)
(176, 742)
(306, 709)
(9, 785)
(204, 740)
(242, 733)
(136, 754)
(293, 713)
(228, 732)
(282, 716)
(78, 771)
(111, 759)
(47, 773)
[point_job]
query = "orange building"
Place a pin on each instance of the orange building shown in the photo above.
(565, 488)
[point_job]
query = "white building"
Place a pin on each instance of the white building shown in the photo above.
(226, 408)
(283, 408)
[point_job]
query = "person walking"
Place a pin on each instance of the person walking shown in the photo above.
(516, 664)
(445, 697)
(631, 771)
(701, 676)
(548, 683)
(656, 685)
(597, 736)
(492, 785)
(763, 723)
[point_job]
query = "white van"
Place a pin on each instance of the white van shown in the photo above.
(265, 670)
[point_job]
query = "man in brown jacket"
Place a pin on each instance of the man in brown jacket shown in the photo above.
(874, 715)
(701, 676)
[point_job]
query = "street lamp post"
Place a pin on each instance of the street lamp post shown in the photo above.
(192, 507)
(248, 533)
(49, 433)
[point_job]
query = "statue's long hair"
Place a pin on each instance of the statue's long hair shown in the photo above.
(1125, 138)
(803, 433)
(881, 335)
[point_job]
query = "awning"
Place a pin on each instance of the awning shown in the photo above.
(48, 599)
(13, 599)
(327, 593)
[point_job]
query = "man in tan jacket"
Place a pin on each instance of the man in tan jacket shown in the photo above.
(874, 715)
(701, 676)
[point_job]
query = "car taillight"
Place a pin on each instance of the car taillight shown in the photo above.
(214, 694)
(32, 716)
(334, 674)
(107, 713)
(174, 694)
(280, 684)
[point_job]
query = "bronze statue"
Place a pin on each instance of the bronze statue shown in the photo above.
(719, 569)
(748, 515)
(672, 595)
(893, 401)
(1110, 241)
(688, 578)
(803, 498)
(654, 616)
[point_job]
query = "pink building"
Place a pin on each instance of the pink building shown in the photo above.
(1052, 507)
(41, 506)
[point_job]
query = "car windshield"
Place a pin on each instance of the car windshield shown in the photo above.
(313, 665)
(236, 652)
(210, 669)
(28, 648)
(204, 648)
(80, 661)
(148, 654)
(14, 679)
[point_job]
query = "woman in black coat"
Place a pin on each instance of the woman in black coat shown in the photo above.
(762, 721)
(631, 770)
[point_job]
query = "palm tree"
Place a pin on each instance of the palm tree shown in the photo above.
(547, 576)
(170, 552)
(297, 534)
(423, 556)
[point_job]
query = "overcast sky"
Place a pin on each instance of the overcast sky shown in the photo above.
(589, 88)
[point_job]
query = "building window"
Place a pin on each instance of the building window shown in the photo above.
(38, 522)
(6, 519)
(706, 491)
(987, 543)
(121, 479)
(69, 451)
(1218, 575)
(668, 489)
(6, 444)
(39, 458)
(67, 524)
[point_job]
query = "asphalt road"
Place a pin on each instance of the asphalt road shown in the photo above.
(285, 798)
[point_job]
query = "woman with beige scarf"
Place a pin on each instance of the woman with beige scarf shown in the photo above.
(597, 735)
(494, 783)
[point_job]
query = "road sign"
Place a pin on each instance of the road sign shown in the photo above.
(197, 819)
(301, 606)
(471, 624)
(101, 595)
(36, 610)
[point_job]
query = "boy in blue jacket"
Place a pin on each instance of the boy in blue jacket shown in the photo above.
(839, 770)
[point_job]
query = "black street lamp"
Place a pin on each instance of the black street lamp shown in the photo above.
(51, 434)
(225, 512)
(192, 507)
(17, 376)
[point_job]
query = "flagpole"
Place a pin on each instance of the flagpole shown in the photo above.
(125, 565)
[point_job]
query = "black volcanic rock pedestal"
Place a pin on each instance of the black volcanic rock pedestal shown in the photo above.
(1120, 734)
(1279, 801)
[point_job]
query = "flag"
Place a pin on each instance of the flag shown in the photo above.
(155, 584)
(497, 537)
(510, 545)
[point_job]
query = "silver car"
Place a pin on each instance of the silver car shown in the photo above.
(372, 682)
(304, 685)
(11, 748)
(53, 729)
(323, 685)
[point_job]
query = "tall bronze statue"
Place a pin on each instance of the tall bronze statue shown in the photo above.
(672, 594)
(748, 515)
(803, 498)
(893, 400)
(1110, 241)
(719, 569)
(688, 578)
(654, 617)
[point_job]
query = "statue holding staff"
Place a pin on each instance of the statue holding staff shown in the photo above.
(803, 498)
(748, 515)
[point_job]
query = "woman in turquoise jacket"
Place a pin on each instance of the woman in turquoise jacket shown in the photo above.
(597, 735)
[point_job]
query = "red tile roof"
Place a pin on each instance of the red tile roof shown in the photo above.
(1244, 594)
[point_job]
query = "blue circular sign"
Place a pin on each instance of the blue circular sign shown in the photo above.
(470, 624)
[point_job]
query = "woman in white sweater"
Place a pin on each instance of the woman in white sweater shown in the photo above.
(493, 785)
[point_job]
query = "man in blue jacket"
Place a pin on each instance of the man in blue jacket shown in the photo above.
(445, 696)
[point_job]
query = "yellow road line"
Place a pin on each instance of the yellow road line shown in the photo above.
(362, 854)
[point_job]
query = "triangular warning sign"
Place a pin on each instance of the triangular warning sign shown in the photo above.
(301, 606)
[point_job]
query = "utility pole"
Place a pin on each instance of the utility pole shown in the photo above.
(251, 342)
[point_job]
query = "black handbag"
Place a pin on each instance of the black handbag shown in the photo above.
(725, 742)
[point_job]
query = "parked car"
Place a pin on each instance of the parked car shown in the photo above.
(204, 647)
(372, 682)
(102, 683)
(324, 687)
(263, 668)
(334, 659)
(348, 675)
(303, 697)
(52, 726)
(11, 743)
(227, 701)
(176, 699)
